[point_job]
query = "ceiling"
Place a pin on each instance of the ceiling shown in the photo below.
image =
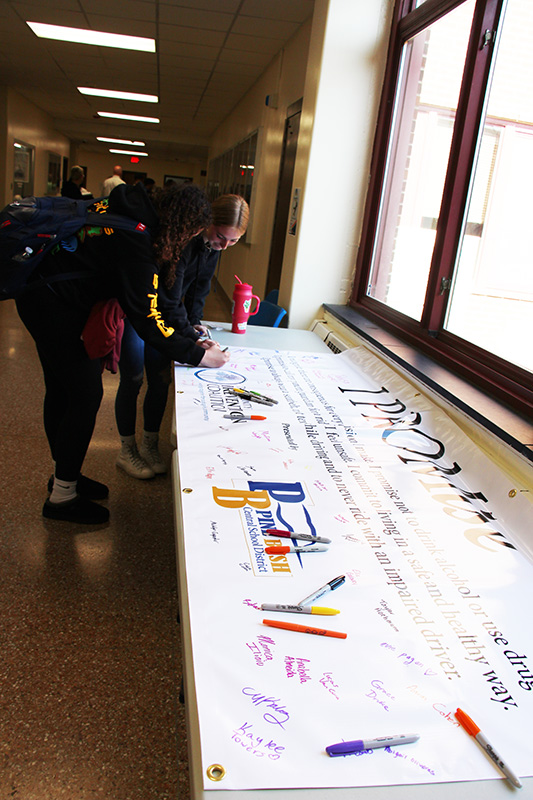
(208, 55)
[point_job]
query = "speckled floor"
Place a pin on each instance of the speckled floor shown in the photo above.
(90, 661)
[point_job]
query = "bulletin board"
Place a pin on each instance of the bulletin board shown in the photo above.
(435, 546)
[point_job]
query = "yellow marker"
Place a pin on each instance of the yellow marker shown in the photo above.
(326, 612)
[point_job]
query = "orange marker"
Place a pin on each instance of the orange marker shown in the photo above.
(240, 417)
(470, 727)
(291, 626)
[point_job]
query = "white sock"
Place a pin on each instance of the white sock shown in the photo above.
(63, 491)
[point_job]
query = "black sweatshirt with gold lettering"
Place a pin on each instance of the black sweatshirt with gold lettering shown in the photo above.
(119, 263)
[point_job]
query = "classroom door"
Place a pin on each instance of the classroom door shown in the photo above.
(283, 202)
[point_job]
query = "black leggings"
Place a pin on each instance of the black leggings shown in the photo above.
(73, 381)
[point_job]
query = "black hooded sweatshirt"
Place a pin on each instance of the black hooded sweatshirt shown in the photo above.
(121, 264)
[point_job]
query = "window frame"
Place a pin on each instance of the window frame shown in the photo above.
(505, 381)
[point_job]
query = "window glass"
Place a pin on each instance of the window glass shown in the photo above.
(426, 103)
(492, 296)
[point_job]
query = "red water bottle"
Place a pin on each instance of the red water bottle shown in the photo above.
(242, 301)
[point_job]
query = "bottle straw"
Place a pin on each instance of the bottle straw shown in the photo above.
(237, 278)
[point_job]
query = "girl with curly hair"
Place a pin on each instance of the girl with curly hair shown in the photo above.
(182, 211)
(190, 278)
(108, 263)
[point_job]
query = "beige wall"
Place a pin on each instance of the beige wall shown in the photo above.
(344, 78)
(285, 76)
(100, 166)
(32, 126)
(3, 146)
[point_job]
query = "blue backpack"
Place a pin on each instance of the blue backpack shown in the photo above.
(31, 227)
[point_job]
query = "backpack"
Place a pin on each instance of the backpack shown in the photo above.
(31, 227)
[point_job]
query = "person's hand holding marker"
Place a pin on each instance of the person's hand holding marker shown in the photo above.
(214, 356)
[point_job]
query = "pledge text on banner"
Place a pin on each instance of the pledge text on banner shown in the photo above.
(437, 563)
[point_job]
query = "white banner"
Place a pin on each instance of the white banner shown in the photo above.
(438, 579)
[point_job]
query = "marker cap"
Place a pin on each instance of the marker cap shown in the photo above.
(345, 748)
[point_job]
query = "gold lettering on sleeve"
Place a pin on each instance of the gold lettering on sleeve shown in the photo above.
(155, 314)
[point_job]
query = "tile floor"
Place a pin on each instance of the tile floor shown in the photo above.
(90, 660)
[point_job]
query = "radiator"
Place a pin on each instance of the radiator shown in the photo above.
(337, 337)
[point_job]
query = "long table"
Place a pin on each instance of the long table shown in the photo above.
(491, 789)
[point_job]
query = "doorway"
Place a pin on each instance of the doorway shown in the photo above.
(131, 177)
(23, 160)
(283, 201)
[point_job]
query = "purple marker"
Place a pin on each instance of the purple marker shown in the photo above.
(357, 746)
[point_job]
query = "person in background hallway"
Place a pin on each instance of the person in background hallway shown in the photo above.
(114, 180)
(129, 266)
(193, 280)
(72, 187)
(149, 185)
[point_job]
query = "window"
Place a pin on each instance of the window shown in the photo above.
(445, 258)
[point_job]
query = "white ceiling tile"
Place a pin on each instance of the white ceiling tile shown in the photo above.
(185, 50)
(128, 26)
(53, 15)
(226, 6)
(269, 28)
(292, 10)
(173, 60)
(177, 33)
(132, 9)
(183, 77)
(234, 70)
(244, 57)
(257, 44)
(195, 18)
(21, 6)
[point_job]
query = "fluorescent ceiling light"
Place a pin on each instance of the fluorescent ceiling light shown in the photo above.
(127, 116)
(83, 36)
(129, 152)
(141, 98)
(119, 141)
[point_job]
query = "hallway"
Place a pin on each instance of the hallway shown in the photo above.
(90, 655)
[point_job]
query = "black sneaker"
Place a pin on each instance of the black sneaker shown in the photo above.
(78, 510)
(86, 487)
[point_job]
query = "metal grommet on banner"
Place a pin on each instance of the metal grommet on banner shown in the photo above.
(512, 493)
(216, 772)
(187, 491)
